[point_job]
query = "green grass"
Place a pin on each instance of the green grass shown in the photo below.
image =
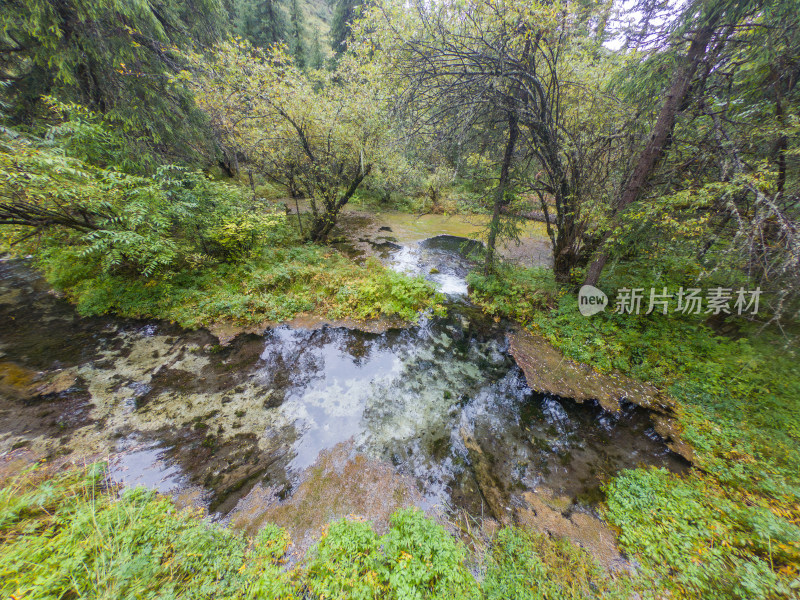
(68, 535)
(68, 538)
(277, 284)
(731, 528)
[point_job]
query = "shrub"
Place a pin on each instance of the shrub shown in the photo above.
(416, 559)
(346, 563)
(700, 544)
(126, 224)
(530, 566)
(68, 537)
(514, 292)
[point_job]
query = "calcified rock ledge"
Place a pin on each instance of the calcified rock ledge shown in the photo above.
(341, 483)
(549, 372)
(226, 332)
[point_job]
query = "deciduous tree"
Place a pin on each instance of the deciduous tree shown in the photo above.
(323, 136)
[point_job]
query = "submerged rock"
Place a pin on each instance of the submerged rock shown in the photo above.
(549, 372)
(341, 483)
(490, 487)
(227, 332)
(16, 381)
(20, 383)
(546, 513)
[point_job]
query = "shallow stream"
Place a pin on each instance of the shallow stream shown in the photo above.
(175, 410)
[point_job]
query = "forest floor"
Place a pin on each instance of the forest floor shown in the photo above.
(728, 529)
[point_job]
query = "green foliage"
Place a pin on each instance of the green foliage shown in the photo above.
(344, 13)
(423, 560)
(720, 384)
(517, 293)
(180, 246)
(416, 559)
(113, 57)
(68, 534)
(721, 206)
(346, 563)
(730, 530)
(240, 238)
(296, 35)
(530, 566)
(93, 138)
(316, 60)
(716, 208)
(327, 131)
(701, 544)
(267, 25)
(129, 224)
(277, 285)
(67, 537)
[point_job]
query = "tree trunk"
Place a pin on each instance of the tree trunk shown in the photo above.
(294, 190)
(659, 138)
(227, 168)
(323, 224)
(565, 256)
(299, 218)
(500, 192)
(252, 183)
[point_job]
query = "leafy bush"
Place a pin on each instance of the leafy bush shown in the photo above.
(67, 537)
(92, 138)
(514, 292)
(530, 566)
(346, 563)
(701, 544)
(422, 560)
(141, 226)
(416, 559)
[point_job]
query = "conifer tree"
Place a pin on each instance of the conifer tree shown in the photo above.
(316, 60)
(344, 13)
(269, 25)
(297, 34)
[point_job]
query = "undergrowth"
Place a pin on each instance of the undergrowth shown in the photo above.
(66, 537)
(530, 566)
(70, 535)
(731, 527)
(180, 245)
(275, 285)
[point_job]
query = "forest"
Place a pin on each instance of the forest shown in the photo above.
(599, 201)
